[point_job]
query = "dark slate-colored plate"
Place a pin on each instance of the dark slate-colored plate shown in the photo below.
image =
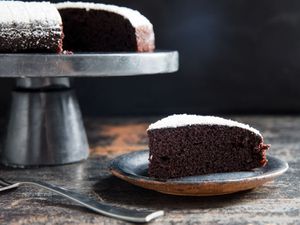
(133, 168)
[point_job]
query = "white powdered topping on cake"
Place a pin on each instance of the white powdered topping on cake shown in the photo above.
(16, 13)
(24, 25)
(182, 120)
(135, 18)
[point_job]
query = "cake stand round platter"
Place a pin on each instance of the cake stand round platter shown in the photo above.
(45, 126)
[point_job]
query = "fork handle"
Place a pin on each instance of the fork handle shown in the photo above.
(132, 215)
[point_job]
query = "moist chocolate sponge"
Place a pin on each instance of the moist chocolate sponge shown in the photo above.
(96, 30)
(203, 149)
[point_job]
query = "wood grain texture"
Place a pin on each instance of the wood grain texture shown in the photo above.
(277, 202)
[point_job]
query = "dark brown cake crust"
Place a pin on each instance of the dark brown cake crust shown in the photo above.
(18, 41)
(202, 149)
(101, 31)
(30, 27)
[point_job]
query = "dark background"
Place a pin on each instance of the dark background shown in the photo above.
(236, 56)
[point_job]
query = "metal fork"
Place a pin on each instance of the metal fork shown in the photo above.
(132, 215)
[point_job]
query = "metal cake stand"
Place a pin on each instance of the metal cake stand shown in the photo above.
(45, 125)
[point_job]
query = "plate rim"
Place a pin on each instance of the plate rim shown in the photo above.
(117, 171)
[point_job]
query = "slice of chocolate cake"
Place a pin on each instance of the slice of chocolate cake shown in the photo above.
(90, 27)
(30, 27)
(187, 145)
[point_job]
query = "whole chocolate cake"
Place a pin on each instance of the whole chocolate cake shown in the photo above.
(91, 27)
(85, 27)
(30, 27)
(187, 145)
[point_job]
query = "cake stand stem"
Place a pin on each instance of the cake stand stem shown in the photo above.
(45, 125)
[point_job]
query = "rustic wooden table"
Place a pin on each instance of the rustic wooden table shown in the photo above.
(277, 202)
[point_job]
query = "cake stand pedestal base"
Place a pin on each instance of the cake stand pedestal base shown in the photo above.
(45, 125)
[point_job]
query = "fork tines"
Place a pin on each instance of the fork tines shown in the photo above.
(4, 183)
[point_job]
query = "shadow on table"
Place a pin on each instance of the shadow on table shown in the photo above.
(116, 191)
